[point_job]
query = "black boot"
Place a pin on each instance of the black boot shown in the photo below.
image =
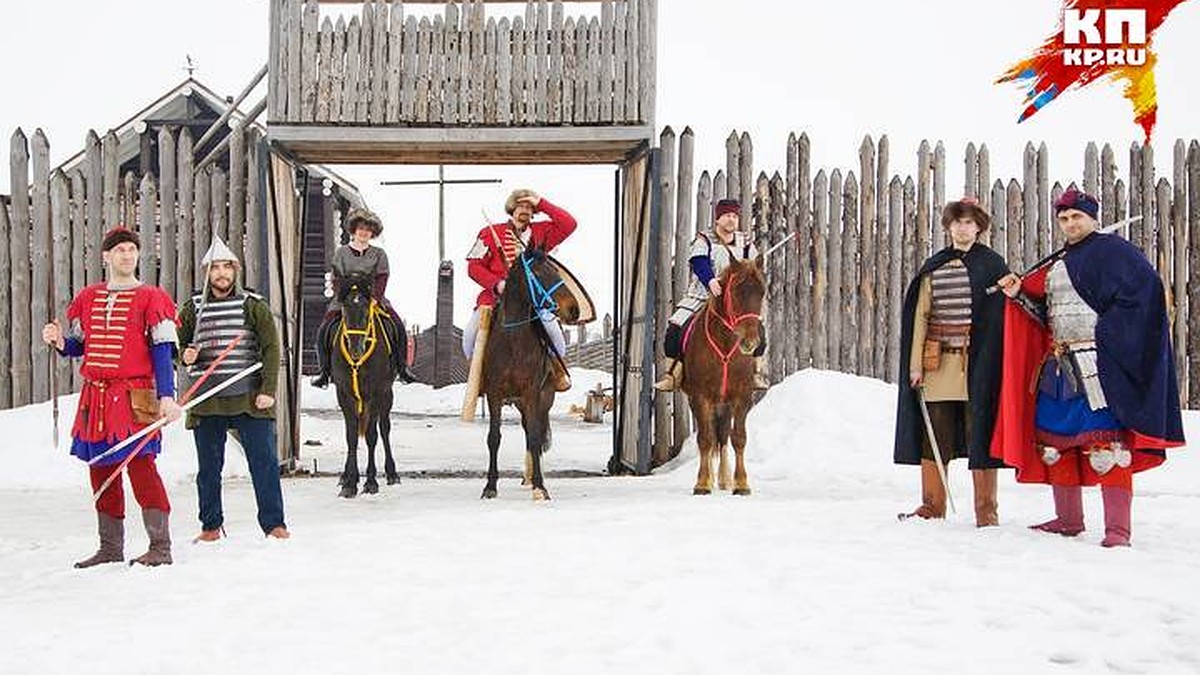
(322, 379)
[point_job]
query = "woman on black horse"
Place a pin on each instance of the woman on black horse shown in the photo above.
(360, 258)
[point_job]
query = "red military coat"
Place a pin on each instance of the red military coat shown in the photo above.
(116, 328)
(498, 245)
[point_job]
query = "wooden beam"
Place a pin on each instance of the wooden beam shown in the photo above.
(465, 145)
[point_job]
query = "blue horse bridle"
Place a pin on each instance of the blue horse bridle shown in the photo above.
(541, 297)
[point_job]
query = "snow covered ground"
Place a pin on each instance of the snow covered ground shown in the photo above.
(812, 573)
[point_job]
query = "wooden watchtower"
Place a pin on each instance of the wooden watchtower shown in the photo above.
(386, 86)
(489, 82)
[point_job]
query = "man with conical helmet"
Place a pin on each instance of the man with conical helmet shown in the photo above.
(208, 322)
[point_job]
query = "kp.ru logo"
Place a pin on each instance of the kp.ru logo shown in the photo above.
(1097, 40)
(1123, 43)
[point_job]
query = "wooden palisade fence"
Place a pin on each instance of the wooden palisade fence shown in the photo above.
(52, 222)
(834, 294)
(462, 67)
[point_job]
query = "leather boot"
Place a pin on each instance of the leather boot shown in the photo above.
(986, 503)
(112, 542)
(323, 364)
(562, 379)
(673, 378)
(1117, 503)
(159, 531)
(1068, 512)
(933, 494)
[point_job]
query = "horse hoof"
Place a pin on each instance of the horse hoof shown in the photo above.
(393, 480)
(701, 491)
(370, 488)
(348, 491)
(541, 495)
(742, 491)
(488, 493)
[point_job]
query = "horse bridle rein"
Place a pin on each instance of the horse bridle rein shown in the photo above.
(730, 321)
(371, 337)
(541, 298)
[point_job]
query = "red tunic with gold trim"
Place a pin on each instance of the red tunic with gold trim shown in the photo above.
(498, 245)
(118, 329)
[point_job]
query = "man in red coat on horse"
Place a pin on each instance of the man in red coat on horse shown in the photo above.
(497, 246)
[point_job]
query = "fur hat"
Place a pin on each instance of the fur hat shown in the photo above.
(366, 217)
(727, 206)
(119, 235)
(1076, 199)
(967, 207)
(510, 204)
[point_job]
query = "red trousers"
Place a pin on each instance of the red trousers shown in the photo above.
(147, 485)
(1074, 469)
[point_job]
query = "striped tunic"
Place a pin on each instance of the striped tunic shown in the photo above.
(950, 313)
(218, 323)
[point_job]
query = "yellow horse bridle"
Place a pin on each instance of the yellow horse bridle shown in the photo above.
(370, 333)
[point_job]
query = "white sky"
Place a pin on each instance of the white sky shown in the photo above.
(834, 70)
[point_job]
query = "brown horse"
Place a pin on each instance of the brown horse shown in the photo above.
(719, 372)
(517, 359)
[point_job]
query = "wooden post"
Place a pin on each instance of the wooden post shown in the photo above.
(704, 202)
(1122, 207)
(663, 425)
(147, 212)
(970, 172)
(732, 173)
(1162, 228)
(22, 274)
(1149, 239)
(1044, 205)
(809, 254)
(1136, 229)
(909, 269)
(237, 190)
(999, 229)
(924, 177)
(167, 156)
(839, 248)
(985, 178)
(184, 283)
(1031, 230)
(1057, 238)
(745, 174)
(883, 250)
(1108, 169)
(128, 200)
(792, 281)
(350, 81)
(203, 225)
(938, 237)
(822, 291)
(111, 182)
(325, 71)
(620, 31)
(336, 82)
(7, 307)
(1179, 254)
(1016, 226)
(220, 205)
(779, 295)
(720, 188)
(93, 209)
(250, 251)
(866, 261)
(378, 89)
(1192, 345)
(850, 300)
(60, 219)
(40, 261)
(896, 282)
(1091, 169)
(685, 203)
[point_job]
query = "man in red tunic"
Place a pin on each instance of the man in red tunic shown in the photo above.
(125, 332)
(498, 245)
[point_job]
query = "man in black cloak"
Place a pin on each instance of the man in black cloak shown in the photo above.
(951, 338)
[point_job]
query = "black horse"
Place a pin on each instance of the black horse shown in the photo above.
(517, 366)
(362, 370)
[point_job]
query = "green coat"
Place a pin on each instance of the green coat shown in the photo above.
(262, 324)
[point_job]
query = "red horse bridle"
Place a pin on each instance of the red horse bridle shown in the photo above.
(730, 321)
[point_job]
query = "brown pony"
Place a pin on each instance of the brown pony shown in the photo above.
(719, 371)
(517, 359)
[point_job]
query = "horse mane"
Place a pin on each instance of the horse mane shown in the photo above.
(351, 282)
